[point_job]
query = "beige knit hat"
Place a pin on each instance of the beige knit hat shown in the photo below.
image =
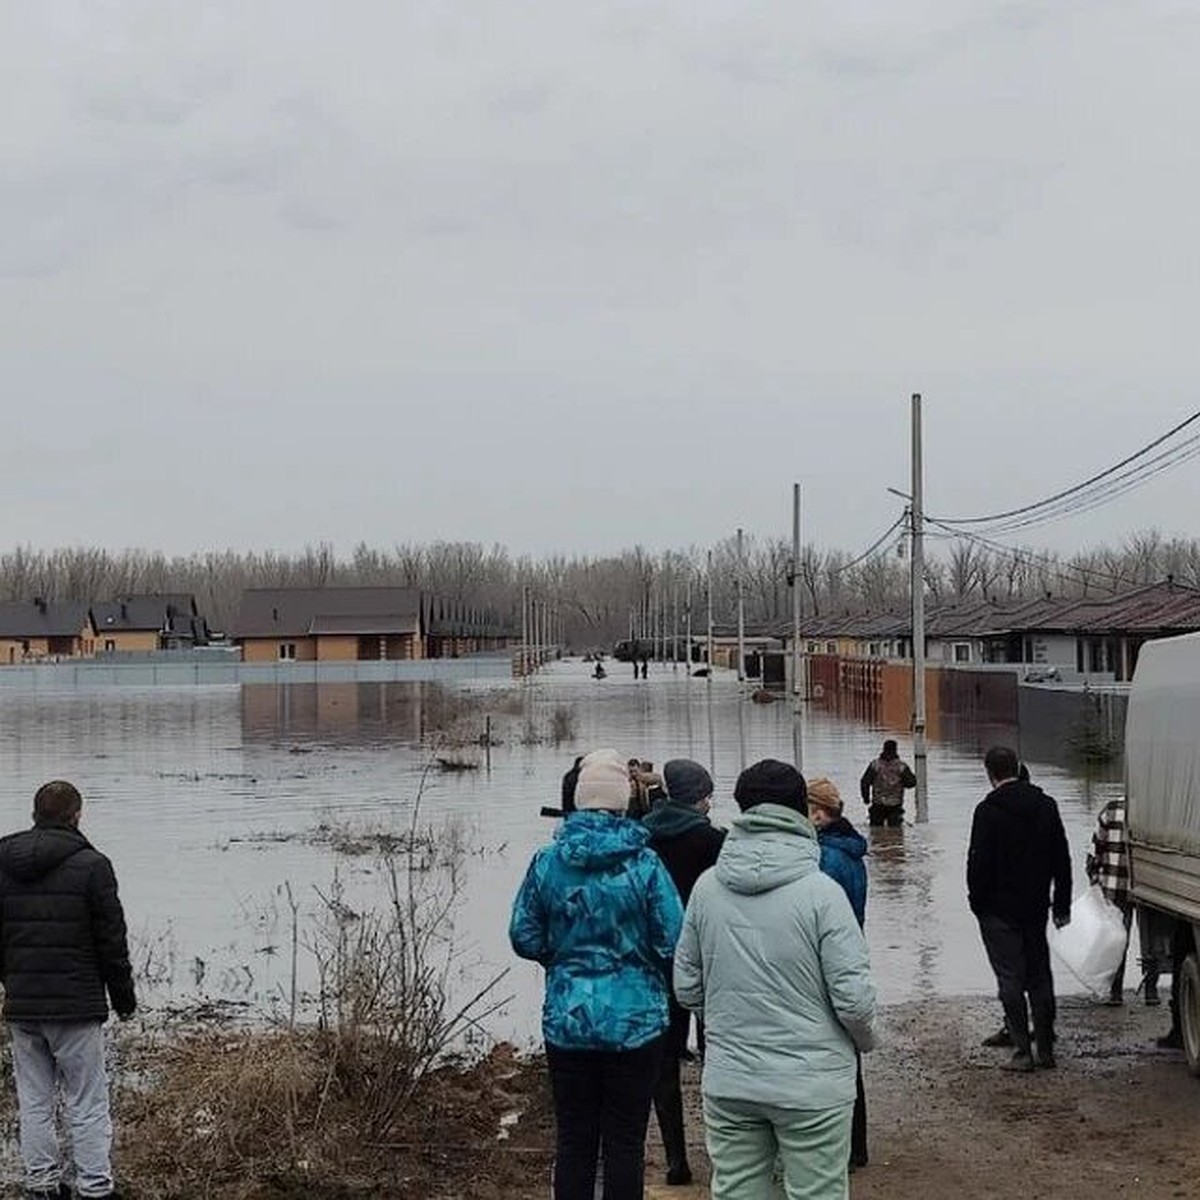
(823, 793)
(603, 782)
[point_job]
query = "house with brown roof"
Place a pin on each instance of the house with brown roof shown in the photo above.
(148, 622)
(330, 624)
(39, 629)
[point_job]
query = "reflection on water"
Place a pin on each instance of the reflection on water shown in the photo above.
(204, 797)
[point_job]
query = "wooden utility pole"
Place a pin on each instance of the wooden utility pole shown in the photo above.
(920, 760)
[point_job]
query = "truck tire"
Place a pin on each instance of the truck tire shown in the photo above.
(1189, 1010)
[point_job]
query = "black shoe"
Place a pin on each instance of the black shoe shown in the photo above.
(1000, 1038)
(858, 1160)
(1044, 1062)
(1170, 1041)
(1021, 1062)
(679, 1176)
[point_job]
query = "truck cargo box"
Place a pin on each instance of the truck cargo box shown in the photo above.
(1162, 771)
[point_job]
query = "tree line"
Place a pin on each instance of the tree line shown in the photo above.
(597, 599)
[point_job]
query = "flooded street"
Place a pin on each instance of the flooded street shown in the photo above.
(212, 801)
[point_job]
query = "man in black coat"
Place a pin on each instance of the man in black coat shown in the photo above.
(1018, 850)
(684, 838)
(63, 956)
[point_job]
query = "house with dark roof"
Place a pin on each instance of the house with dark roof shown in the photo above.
(39, 629)
(1090, 635)
(167, 621)
(330, 624)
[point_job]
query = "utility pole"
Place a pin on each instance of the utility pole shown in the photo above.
(710, 625)
(674, 625)
(741, 614)
(920, 761)
(524, 631)
(687, 616)
(797, 668)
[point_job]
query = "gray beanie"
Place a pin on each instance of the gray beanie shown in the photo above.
(687, 782)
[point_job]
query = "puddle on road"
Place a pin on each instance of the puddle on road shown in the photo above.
(211, 801)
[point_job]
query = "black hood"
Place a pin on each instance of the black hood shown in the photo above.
(34, 853)
(1017, 799)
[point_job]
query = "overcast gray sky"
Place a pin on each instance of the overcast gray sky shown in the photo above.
(575, 275)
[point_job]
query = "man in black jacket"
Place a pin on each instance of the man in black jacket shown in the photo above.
(684, 838)
(63, 955)
(1018, 850)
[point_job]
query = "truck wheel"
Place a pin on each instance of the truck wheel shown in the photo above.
(1189, 1010)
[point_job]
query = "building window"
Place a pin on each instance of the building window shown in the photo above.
(109, 645)
(962, 652)
(287, 651)
(812, 647)
(831, 647)
(873, 650)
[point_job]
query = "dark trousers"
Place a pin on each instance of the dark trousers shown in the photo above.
(601, 1106)
(858, 1127)
(1020, 958)
(1117, 987)
(891, 815)
(668, 1092)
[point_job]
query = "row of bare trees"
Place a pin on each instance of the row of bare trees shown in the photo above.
(596, 598)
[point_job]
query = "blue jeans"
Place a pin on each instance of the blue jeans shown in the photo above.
(48, 1055)
(602, 1106)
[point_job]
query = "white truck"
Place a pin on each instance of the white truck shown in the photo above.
(1162, 778)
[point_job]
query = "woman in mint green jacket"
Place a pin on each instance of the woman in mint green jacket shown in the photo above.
(773, 956)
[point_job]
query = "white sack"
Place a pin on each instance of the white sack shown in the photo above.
(1092, 945)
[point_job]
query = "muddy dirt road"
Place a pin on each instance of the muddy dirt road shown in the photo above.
(1118, 1117)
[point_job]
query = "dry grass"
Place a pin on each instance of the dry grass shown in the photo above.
(257, 1115)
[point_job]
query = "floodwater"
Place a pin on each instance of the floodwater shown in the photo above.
(214, 802)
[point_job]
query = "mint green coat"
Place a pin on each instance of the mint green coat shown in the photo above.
(773, 956)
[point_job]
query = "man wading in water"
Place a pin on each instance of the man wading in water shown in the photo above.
(883, 786)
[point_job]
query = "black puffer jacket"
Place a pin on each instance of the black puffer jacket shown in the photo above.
(1018, 852)
(62, 929)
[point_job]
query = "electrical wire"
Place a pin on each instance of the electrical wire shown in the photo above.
(873, 548)
(1115, 487)
(1044, 562)
(1028, 509)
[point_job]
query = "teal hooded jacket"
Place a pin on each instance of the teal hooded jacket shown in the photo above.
(598, 910)
(772, 954)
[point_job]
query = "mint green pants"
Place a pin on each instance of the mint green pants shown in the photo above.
(744, 1138)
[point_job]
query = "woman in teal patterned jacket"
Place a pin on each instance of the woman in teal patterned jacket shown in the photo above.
(598, 910)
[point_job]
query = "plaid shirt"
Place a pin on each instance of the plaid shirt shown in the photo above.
(1108, 862)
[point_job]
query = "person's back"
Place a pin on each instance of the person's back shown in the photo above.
(1018, 850)
(63, 956)
(883, 785)
(773, 955)
(787, 969)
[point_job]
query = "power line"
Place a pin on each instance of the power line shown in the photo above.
(1079, 487)
(1115, 487)
(1043, 561)
(873, 548)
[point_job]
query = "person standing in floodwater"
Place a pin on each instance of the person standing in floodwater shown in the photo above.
(883, 785)
(597, 909)
(63, 956)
